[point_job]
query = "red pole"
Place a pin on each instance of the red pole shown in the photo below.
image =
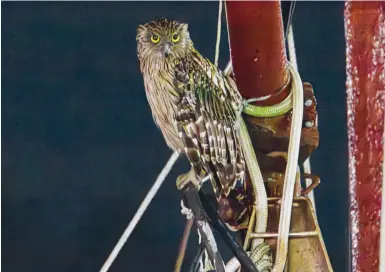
(365, 58)
(257, 48)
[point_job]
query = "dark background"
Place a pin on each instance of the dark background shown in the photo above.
(79, 147)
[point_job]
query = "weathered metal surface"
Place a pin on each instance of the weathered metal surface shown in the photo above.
(272, 134)
(260, 68)
(307, 248)
(365, 58)
(257, 48)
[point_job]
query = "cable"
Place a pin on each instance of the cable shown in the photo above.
(293, 60)
(195, 264)
(290, 18)
(226, 234)
(139, 213)
(219, 30)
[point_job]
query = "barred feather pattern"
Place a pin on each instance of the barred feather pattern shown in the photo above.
(194, 104)
(206, 121)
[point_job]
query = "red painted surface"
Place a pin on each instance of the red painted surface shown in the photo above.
(365, 41)
(257, 48)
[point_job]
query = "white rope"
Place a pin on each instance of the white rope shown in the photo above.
(139, 213)
(290, 173)
(186, 211)
(219, 30)
(290, 176)
(382, 228)
(291, 45)
(228, 69)
(293, 60)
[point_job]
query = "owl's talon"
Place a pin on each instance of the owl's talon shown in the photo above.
(183, 179)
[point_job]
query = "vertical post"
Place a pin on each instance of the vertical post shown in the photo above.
(258, 49)
(365, 68)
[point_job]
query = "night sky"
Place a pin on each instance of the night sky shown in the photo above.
(80, 149)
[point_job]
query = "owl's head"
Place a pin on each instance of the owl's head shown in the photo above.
(163, 39)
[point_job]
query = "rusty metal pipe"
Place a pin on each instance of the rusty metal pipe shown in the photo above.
(365, 68)
(258, 49)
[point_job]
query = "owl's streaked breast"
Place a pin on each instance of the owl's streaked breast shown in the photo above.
(158, 81)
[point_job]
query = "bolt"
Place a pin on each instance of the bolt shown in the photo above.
(308, 103)
(309, 124)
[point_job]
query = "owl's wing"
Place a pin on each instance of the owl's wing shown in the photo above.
(206, 122)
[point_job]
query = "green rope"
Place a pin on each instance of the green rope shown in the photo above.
(268, 111)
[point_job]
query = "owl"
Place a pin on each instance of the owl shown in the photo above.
(194, 104)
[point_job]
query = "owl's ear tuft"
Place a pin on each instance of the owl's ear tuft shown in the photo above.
(184, 27)
(140, 30)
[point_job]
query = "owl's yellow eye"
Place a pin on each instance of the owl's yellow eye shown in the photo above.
(175, 38)
(155, 38)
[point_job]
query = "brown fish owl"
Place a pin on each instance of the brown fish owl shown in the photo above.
(193, 103)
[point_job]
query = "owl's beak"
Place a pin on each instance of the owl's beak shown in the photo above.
(166, 50)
